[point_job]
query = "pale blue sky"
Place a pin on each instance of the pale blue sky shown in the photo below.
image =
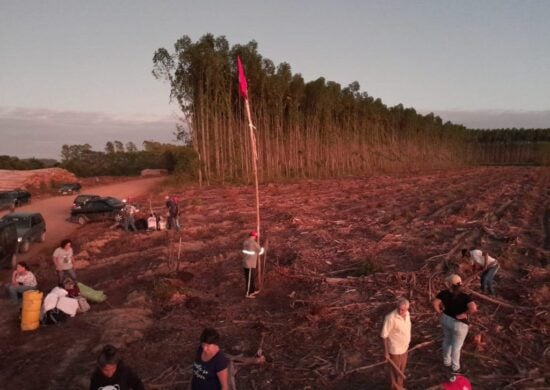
(481, 63)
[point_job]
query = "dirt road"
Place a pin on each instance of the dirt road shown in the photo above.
(56, 212)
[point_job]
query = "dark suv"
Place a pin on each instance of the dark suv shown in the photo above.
(100, 209)
(30, 227)
(69, 188)
(80, 200)
(8, 244)
(14, 198)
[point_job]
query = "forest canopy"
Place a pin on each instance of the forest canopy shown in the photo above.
(304, 128)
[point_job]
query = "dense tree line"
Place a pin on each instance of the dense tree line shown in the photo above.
(509, 146)
(126, 160)
(8, 162)
(316, 128)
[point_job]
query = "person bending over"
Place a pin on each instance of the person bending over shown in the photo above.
(112, 373)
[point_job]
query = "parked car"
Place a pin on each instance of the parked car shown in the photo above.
(6, 200)
(81, 199)
(8, 244)
(30, 227)
(69, 188)
(100, 209)
(14, 198)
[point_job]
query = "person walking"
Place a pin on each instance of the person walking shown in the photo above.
(454, 308)
(251, 250)
(396, 333)
(22, 279)
(63, 260)
(488, 265)
(112, 373)
(210, 368)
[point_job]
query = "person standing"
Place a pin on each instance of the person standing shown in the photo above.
(251, 251)
(488, 265)
(454, 308)
(210, 368)
(63, 260)
(174, 212)
(129, 216)
(396, 333)
(22, 279)
(112, 373)
(169, 203)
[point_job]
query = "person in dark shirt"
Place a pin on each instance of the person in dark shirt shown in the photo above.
(210, 369)
(454, 307)
(111, 372)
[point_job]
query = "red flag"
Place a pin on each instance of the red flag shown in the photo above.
(243, 86)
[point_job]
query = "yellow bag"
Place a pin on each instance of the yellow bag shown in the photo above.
(30, 314)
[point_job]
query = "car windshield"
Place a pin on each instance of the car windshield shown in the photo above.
(20, 222)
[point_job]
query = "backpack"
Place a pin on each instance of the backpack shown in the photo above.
(54, 316)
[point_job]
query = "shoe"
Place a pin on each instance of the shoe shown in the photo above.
(456, 371)
(250, 296)
(255, 293)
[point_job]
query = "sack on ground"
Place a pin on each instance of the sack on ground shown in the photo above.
(83, 305)
(90, 294)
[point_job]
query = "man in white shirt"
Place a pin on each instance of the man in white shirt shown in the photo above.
(396, 333)
(488, 265)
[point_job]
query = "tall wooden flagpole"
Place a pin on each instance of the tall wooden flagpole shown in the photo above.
(243, 88)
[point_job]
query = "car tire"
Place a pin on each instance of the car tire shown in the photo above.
(81, 220)
(25, 246)
(42, 237)
(13, 262)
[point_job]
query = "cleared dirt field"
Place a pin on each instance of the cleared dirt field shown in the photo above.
(339, 253)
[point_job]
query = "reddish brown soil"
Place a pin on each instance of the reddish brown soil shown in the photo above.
(375, 234)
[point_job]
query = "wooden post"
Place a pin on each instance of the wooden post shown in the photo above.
(396, 368)
(179, 253)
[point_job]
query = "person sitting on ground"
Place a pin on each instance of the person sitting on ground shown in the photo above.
(22, 279)
(454, 307)
(210, 369)
(112, 373)
(72, 288)
(73, 291)
(488, 265)
(396, 333)
(251, 251)
(63, 260)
